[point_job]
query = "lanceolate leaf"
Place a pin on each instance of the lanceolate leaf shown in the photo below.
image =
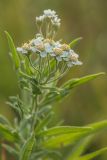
(78, 81)
(79, 148)
(7, 134)
(10, 149)
(13, 50)
(4, 120)
(68, 86)
(63, 130)
(62, 140)
(43, 123)
(74, 42)
(93, 154)
(27, 148)
(99, 126)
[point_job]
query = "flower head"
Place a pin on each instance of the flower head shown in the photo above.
(40, 19)
(49, 13)
(25, 49)
(56, 22)
(50, 18)
(43, 46)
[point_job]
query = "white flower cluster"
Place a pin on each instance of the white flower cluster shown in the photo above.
(49, 15)
(43, 47)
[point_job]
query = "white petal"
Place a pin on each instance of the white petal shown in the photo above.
(43, 54)
(19, 49)
(33, 49)
(52, 54)
(69, 64)
(59, 58)
(65, 54)
(48, 48)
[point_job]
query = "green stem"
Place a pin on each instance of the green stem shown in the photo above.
(40, 67)
(33, 65)
(34, 108)
(49, 67)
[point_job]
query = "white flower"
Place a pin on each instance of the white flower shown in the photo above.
(56, 21)
(43, 54)
(21, 50)
(40, 18)
(37, 41)
(57, 44)
(57, 52)
(72, 59)
(77, 63)
(59, 58)
(49, 13)
(48, 47)
(25, 49)
(33, 49)
(65, 54)
(71, 63)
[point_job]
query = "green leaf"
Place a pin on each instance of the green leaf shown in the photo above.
(98, 126)
(7, 134)
(4, 120)
(93, 154)
(13, 50)
(63, 130)
(78, 81)
(67, 87)
(74, 42)
(63, 140)
(35, 87)
(16, 103)
(54, 154)
(62, 136)
(43, 123)
(79, 148)
(27, 148)
(10, 149)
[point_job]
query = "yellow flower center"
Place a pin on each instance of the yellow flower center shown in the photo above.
(74, 57)
(26, 46)
(58, 51)
(65, 47)
(40, 47)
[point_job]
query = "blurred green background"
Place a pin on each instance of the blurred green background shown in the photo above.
(86, 18)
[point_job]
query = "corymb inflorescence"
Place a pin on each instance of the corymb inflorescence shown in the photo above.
(44, 52)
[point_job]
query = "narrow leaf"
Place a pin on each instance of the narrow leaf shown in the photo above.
(62, 140)
(98, 126)
(4, 120)
(63, 130)
(43, 123)
(78, 81)
(7, 134)
(27, 148)
(10, 149)
(93, 155)
(75, 42)
(67, 87)
(79, 148)
(13, 50)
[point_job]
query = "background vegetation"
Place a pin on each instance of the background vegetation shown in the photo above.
(79, 18)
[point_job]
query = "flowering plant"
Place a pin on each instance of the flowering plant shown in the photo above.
(39, 65)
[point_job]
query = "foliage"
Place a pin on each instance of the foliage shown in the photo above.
(39, 65)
